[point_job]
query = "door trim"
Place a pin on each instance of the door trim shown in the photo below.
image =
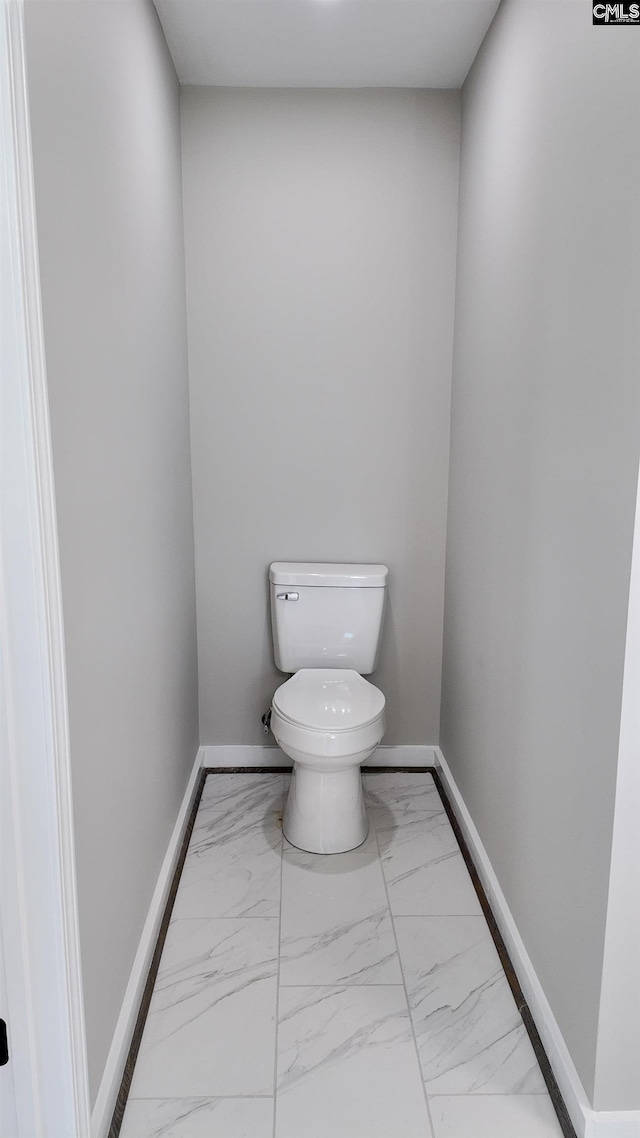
(38, 883)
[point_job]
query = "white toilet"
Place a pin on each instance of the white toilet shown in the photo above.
(326, 622)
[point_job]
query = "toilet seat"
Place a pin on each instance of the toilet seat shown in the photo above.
(328, 700)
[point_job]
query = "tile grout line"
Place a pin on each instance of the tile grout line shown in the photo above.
(343, 985)
(404, 985)
(275, 1046)
(238, 917)
(198, 1098)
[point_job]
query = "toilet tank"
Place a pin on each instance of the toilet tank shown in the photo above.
(327, 616)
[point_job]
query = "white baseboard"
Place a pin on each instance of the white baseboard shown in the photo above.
(415, 756)
(231, 756)
(117, 1057)
(588, 1123)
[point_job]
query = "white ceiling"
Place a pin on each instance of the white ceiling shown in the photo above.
(324, 43)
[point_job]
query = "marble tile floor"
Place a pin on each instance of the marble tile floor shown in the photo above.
(352, 996)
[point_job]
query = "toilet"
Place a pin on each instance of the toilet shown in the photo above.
(326, 622)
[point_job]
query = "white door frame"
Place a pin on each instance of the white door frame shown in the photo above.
(37, 869)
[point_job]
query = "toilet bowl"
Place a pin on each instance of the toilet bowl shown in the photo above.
(329, 721)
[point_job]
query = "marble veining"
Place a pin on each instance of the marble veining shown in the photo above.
(352, 952)
(233, 864)
(471, 1039)
(325, 1025)
(215, 978)
(392, 798)
(424, 869)
(336, 926)
(347, 1065)
(198, 1118)
(302, 996)
(237, 795)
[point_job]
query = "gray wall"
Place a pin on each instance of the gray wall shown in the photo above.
(544, 453)
(320, 238)
(105, 120)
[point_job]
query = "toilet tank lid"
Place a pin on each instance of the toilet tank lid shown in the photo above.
(333, 576)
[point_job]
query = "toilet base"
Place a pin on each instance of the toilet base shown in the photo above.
(325, 811)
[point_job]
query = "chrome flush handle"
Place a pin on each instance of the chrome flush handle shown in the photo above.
(287, 596)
